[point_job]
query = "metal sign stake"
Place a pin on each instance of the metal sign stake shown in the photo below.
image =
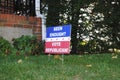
(62, 59)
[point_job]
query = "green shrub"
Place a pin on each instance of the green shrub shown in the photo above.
(5, 47)
(27, 45)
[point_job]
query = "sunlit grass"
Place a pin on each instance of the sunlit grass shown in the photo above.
(72, 67)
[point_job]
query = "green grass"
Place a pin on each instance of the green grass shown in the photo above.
(74, 67)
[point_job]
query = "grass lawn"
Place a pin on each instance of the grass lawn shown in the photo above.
(74, 67)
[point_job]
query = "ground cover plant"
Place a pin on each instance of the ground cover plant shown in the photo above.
(5, 47)
(28, 45)
(24, 45)
(50, 67)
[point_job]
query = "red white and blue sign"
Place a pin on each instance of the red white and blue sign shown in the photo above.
(58, 39)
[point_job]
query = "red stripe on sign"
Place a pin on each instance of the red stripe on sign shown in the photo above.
(59, 47)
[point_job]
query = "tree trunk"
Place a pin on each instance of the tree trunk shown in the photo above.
(75, 17)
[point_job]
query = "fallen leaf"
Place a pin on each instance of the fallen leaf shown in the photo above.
(89, 65)
(114, 57)
(19, 61)
(56, 56)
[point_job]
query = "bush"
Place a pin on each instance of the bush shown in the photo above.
(28, 45)
(5, 47)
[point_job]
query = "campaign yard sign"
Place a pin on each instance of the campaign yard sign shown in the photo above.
(58, 39)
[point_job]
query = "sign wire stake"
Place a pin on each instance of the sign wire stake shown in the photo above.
(49, 55)
(62, 59)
